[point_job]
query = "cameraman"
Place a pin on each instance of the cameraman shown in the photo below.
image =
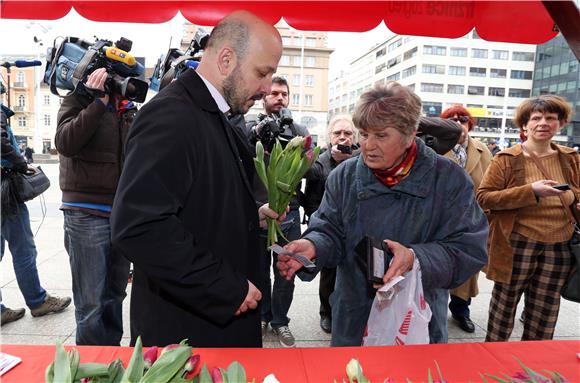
(342, 146)
(90, 138)
(275, 306)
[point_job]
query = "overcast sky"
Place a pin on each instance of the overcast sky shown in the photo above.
(152, 40)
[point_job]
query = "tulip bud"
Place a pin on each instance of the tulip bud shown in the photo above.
(270, 379)
(307, 142)
(150, 356)
(216, 375)
(168, 347)
(354, 370)
(296, 142)
(191, 365)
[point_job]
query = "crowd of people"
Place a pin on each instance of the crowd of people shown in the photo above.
(171, 188)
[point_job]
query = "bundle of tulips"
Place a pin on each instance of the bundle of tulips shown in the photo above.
(173, 364)
(282, 175)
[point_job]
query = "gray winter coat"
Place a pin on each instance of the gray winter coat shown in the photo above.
(433, 211)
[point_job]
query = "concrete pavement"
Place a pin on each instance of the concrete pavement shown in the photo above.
(55, 277)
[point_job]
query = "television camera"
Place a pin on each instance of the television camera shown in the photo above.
(70, 60)
(171, 65)
(268, 129)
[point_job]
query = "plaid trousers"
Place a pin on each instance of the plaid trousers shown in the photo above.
(540, 270)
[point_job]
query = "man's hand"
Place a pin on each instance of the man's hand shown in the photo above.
(543, 188)
(251, 302)
(265, 212)
(96, 80)
(288, 266)
(337, 155)
(403, 259)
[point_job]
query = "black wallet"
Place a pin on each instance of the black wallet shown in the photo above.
(374, 258)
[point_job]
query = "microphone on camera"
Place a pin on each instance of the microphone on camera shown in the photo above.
(26, 63)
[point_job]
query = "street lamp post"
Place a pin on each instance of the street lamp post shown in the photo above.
(38, 144)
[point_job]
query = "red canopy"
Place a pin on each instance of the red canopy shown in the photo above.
(510, 21)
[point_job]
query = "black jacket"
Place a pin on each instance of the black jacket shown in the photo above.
(185, 216)
(11, 158)
(90, 138)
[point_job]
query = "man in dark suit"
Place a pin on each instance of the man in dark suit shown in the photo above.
(184, 213)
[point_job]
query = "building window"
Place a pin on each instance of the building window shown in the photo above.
(457, 70)
(296, 60)
(499, 92)
(499, 55)
(455, 89)
(286, 40)
(432, 109)
(285, 60)
(521, 74)
(479, 53)
(20, 77)
(298, 40)
(458, 52)
(296, 79)
(46, 99)
(432, 88)
(22, 122)
(380, 68)
(394, 45)
(47, 120)
(310, 61)
(309, 80)
(310, 42)
(521, 93)
(394, 77)
(434, 50)
(475, 35)
(409, 71)
(394, 61)
(381, 52)
(410, 53)
(411, 86)
(523, 56)
(497, 73)
(477, 72)
(22, 101)
(307, 100)
(295, 99)
(433, 69)
(476, 90)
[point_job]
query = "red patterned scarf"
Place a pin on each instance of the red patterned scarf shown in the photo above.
(391, 177)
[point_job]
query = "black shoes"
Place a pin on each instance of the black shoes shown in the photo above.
(464, 323)
(326, 324)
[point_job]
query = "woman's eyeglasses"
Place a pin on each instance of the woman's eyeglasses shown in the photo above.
(462, 119)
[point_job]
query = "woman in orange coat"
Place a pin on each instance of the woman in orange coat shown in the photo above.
(529, 227)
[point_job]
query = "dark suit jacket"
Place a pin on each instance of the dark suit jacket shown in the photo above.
(185, 216)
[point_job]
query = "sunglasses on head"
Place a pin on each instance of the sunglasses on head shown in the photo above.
(462, 119)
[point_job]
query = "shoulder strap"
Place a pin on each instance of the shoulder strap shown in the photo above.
(534, 158)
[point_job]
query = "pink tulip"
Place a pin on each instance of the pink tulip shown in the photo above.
(307, 142)
(150, 356)
(169, 347)
(216, 375)
(190, 368)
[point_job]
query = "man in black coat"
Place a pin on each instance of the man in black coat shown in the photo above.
(184, 213)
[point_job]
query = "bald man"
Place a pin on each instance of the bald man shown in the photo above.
(184, 213)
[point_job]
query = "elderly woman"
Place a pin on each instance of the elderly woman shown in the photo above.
(473, 156)
(421, 204)
(529, 228)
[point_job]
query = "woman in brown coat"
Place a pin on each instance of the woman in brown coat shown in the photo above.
(529, 227)
(473, 156)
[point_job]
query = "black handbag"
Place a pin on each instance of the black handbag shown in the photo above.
(31, 184)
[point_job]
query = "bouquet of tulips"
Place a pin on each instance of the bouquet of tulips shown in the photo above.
(173, 364)
(283, 174)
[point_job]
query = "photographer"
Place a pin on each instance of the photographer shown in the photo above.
(275, 306)
(342, 139)
(90, 138)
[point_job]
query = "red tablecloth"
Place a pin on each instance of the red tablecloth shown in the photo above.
(458, 362)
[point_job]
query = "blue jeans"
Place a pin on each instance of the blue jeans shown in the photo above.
(99, 279)
(275, 306)
(16, 230)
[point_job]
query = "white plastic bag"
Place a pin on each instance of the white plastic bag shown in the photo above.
(399, 315)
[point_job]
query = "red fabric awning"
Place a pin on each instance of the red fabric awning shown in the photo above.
(509, 21)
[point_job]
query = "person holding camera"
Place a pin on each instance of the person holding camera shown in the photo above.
(90, 139)
(276, 123)
(184, 212)
(17, 232)
(342, 146)
(397, 191)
